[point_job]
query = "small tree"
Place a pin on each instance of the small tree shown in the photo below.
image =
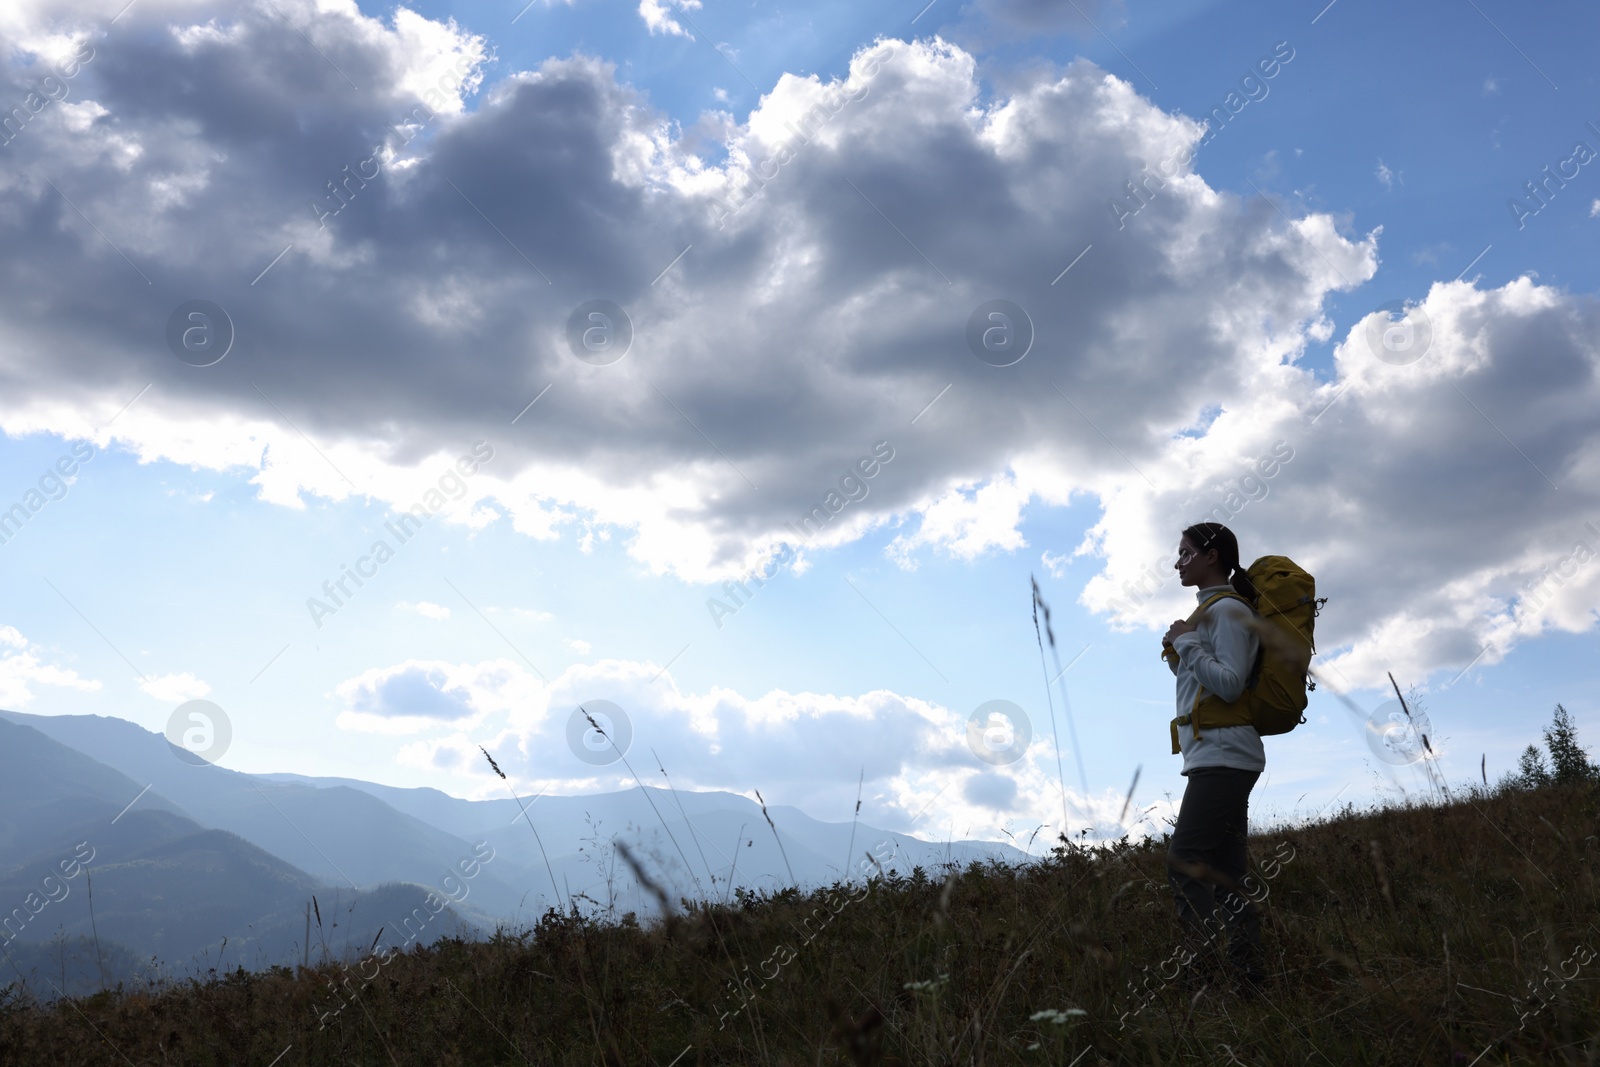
(1531, 771)
(1569, 760)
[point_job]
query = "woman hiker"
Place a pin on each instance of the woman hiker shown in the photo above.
(1212, 656)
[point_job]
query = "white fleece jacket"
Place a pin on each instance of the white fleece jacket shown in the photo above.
(1217, 655)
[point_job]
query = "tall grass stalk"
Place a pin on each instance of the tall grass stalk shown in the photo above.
(523, 808)
(1083, 777)
(774, 828)
(623, 756)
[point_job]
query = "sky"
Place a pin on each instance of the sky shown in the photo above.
(608, 299)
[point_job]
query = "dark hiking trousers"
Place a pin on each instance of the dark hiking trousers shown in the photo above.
(1207, 864)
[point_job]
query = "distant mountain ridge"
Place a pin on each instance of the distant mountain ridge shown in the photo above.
(693, 833)
(193, 854)
(342, 837)
(119, 882)
(47, 785)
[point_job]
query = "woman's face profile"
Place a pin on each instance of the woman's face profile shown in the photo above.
(1187, 563)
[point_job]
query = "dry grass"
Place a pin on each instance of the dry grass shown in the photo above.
(1422, 949)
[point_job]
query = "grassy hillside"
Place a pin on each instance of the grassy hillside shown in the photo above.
(1421, 934)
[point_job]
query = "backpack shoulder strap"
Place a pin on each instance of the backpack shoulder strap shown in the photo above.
(1194, 617)
(1193, 717)
(1220, 596)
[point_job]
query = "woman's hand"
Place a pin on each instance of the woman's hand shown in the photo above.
(1178, 628)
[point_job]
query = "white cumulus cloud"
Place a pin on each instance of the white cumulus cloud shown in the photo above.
(22, 669)
(658, 17)
(174, 688)
(808, 749)
(426, 608)
(825, 258)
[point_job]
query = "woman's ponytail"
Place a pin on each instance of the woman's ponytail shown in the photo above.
(1242, 584)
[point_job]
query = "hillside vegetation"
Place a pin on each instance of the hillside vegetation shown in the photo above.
(1455, 932)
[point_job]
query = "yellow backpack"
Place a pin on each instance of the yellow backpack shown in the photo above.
(1286, 609)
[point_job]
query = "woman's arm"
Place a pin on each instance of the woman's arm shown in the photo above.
(1223, 665)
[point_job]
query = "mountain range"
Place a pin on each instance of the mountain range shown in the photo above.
(124, 858)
